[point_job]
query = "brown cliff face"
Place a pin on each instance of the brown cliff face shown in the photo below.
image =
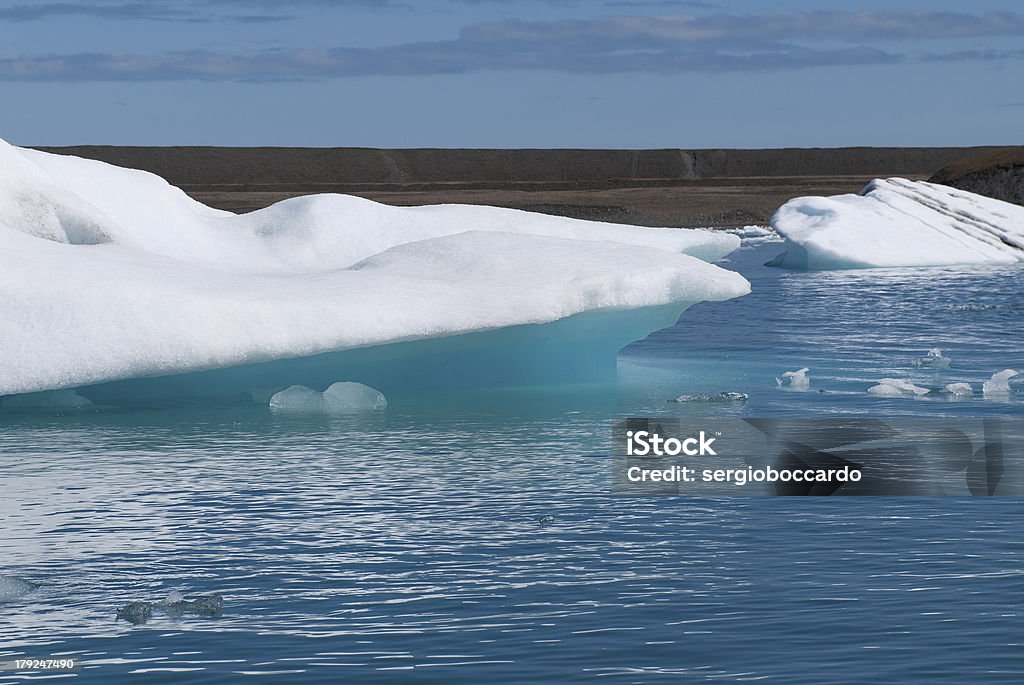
(998, 174)
(722, 187)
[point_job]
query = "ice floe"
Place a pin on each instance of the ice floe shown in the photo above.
(895, 222)
(113, 279)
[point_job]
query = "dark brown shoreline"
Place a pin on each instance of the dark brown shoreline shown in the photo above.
(644, 187)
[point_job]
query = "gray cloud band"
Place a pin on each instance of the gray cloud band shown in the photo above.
(662, 45)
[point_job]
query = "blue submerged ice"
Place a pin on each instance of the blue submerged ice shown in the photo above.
(14, 588)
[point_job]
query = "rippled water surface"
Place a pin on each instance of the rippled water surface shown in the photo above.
(474, 537)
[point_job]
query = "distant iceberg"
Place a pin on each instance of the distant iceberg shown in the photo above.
(895, 222)
(120, 286)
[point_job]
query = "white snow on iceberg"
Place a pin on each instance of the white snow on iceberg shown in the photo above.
(895, 222)
(113, 279)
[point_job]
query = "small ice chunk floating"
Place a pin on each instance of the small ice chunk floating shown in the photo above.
(959, 390)
(797, 380)
(999, 384)
(119, 286)
(174, 605)
(933, 359)
(726, 396)
(339, 398)
(895, 387)
(895, 222)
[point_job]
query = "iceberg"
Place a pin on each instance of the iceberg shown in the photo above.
(118, 285)
(895, 222)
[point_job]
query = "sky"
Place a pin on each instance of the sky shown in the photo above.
(512, 73)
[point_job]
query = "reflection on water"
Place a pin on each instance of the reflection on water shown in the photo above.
(474, 537)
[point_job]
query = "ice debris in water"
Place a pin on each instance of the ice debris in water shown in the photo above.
(755, 235)
(959, 389)
(50, 399)
(1011, 308)
(13, 587)
(999, 384)
(210, 606)
(934, 359)
(894, 387)
(798, 380)
(340, 398)
(718, 397)
(136, 612)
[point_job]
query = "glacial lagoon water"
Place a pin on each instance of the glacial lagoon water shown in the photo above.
(475, 537)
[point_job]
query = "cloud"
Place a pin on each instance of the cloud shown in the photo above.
(619, 44)
(134, 11)
(410, 60)
(974, 56)
(813, 26)
(64, 9)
